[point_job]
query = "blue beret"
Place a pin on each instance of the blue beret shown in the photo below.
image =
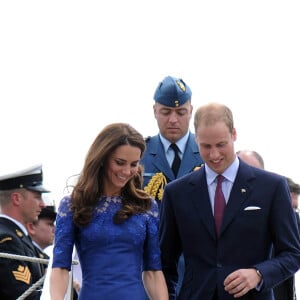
(172, 92)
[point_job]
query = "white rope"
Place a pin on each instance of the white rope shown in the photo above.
(32, 288)
(27, 258)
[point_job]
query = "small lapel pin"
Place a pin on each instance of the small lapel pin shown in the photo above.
(243, 190)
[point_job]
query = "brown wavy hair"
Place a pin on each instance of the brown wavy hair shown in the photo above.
(89, 187)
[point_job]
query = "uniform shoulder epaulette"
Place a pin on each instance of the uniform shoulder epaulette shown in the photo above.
(5, 239)
(198, 167)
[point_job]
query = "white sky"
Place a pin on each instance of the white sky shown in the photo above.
(68, 68)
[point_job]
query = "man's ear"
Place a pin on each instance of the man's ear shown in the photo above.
(15, 198)
(30, 228)
(234, 134)
(154, 110)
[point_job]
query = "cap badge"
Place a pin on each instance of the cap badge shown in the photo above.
(181, 85)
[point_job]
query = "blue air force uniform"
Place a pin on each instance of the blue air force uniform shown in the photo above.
(155, 161)
(171, 92)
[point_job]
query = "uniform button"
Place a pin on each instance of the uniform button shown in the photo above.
(219, 265)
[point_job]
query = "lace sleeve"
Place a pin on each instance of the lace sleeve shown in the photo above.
(64, 236)
(151, 259)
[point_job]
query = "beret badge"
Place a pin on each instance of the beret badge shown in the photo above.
(181, 85)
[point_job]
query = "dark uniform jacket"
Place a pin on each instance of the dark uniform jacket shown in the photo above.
(16, 276)
(41, 254)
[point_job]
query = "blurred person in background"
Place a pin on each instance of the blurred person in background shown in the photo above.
(287, 289)
(41, 231)
(252, 158)
(295, 192)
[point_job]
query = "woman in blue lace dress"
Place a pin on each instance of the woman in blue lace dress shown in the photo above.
(113, 224)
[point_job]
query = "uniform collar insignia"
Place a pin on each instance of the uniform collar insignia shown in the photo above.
(19, 233)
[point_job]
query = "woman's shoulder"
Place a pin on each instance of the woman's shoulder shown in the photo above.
(65, 204)
(153, 211)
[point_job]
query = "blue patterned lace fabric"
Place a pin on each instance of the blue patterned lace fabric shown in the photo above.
(112, 256)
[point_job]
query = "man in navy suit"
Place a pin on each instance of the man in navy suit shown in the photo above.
(173, 112)
(237, 261)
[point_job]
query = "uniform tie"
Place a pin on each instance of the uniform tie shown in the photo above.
(176, 162)
(219, 204)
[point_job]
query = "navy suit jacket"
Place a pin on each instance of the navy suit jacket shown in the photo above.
(258, 214)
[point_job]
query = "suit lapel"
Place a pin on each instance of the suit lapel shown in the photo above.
(200, 198)
(159, 158)
(189, 161)
(240, 192)
(35, 252)
(27, 240)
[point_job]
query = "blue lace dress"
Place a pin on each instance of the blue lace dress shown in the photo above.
(112, 257)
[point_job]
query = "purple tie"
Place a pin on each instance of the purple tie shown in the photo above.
(219, 204)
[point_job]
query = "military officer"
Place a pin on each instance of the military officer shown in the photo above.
(21, 202)
(173, 152)
(172, 111)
